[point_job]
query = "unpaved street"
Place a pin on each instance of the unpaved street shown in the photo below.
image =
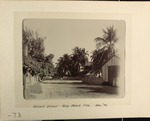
(60, 89)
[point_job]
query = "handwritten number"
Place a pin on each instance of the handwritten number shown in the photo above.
(15, 115)
(19, 115)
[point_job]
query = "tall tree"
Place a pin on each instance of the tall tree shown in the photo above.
(63, 66)
(48, 64)
(79, 59)
(34, 60)
(108, 40)
(105, 48)
(71, 65)
(33, 51)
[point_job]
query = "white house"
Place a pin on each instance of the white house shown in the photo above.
(110, 70)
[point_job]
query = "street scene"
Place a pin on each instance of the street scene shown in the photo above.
(71, 58)
(73, 89)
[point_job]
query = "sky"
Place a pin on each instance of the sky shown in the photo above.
(62, 35)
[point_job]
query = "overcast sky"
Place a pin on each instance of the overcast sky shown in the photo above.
(62, 35)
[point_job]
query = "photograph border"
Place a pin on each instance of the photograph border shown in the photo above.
(14, 107)
(20, 16)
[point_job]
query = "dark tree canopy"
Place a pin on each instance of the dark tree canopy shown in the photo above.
(105, 48)
(34, 59)
(71, 65)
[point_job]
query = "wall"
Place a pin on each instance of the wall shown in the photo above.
(112, 62)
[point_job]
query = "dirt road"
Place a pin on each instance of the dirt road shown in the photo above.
(73, 89)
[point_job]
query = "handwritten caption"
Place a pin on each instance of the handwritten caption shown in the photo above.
(18, 114)
(70, 106)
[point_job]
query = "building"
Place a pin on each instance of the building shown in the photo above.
(110, 70)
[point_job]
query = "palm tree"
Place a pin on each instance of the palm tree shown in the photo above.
(108, 40)
(59, 66)
(63, 65)
(105, 48)
(71, 65)
(66, 64)
(79, 57)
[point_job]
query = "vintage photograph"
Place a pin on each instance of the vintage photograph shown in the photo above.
(73, 58)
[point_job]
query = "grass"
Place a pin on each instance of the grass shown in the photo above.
(32, 89)
(35, 88)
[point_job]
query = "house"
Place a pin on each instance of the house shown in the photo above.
(110, 70)
(91, 78)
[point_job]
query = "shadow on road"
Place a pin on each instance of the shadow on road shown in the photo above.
(101, 89)
(89, 88)
(71, 83)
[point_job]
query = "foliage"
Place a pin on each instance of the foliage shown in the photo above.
(63, 65)
(48, 64)
(79, 59)
(108, 39)
(35, 44)
(34, 60)
(73, 64)
(105, 48)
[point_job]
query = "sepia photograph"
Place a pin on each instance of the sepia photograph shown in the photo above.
(73, 58)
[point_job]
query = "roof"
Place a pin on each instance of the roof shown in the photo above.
(110, 59)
